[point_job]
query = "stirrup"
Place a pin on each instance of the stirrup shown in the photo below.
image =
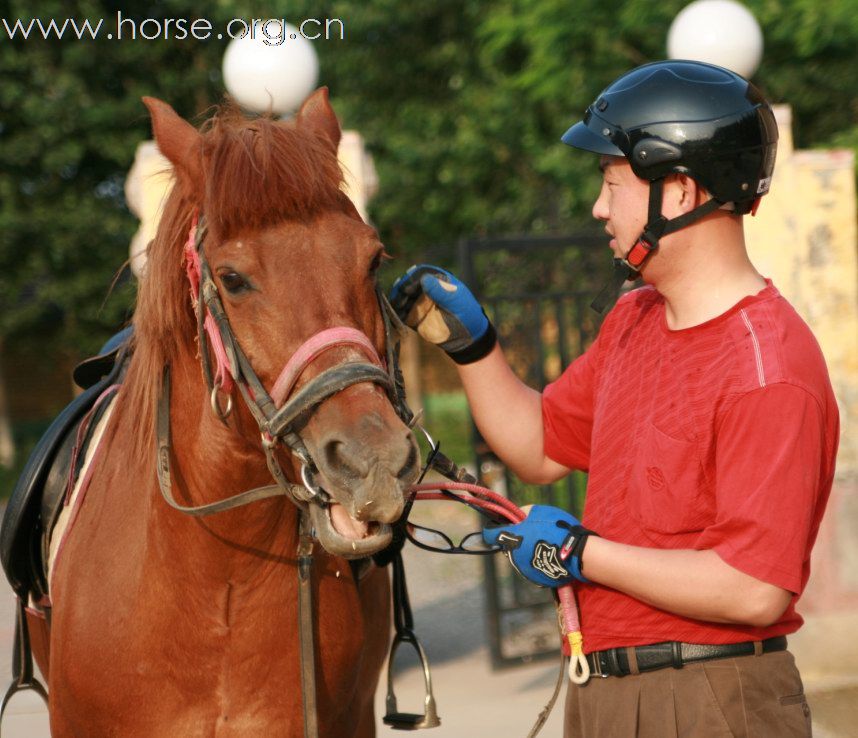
(23, 678)
(410, 720)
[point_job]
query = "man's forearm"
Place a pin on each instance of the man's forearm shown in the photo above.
(695, 584)
(509, 416)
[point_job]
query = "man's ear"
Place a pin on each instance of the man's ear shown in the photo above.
(684, 193)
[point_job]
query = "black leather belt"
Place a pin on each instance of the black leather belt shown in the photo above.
(634, 659)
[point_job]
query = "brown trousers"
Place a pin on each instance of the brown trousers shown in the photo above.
(746, 697)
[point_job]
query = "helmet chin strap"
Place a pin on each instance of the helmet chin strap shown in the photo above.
(629, 267)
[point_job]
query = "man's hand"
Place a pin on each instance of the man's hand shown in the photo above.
(444, 312)
(546, 547)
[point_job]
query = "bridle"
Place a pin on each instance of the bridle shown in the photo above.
(277, 415)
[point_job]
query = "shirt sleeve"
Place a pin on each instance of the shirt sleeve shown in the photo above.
(769, 464)
(567, 412)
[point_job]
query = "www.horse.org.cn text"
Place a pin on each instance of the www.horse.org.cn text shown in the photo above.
(272, 31)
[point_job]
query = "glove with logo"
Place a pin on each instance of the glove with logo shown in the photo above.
(546, 547)
(444, 312)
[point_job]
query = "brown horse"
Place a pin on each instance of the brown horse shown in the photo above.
(164, 624)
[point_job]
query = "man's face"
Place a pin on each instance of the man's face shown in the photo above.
(622, 203)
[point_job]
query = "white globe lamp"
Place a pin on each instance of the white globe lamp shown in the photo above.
(722, 32)
(270, 67)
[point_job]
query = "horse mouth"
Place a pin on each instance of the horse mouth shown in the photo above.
(342, 535)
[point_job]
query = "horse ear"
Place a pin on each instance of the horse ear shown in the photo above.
(317, 115)
(177, 139)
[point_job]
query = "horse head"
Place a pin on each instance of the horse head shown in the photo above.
(289, 304)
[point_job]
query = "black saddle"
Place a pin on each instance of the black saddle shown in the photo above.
(37, 499)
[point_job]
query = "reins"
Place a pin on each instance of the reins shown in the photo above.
(496, 505)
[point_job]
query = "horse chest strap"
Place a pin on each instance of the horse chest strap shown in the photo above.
(305, 625)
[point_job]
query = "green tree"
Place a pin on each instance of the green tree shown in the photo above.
(70, 120)
(462, 103)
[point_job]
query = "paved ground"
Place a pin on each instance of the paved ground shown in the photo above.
(472, 700)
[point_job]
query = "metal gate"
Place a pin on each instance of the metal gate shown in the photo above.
(537, 292)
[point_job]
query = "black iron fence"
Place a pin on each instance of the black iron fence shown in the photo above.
(537, 292)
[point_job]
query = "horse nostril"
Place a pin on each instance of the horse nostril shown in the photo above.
(409, 468)
(338, 455)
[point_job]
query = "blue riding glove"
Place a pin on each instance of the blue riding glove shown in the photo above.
(444, 312)
(546, 547)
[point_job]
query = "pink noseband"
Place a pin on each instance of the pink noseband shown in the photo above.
(301, 359)
(312, 349)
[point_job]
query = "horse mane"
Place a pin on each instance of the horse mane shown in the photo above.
(257, 172)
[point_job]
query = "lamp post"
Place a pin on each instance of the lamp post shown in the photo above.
(272, 67)
(722, 32)
(810, 253)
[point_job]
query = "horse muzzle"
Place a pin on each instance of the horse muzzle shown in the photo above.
(377, 536)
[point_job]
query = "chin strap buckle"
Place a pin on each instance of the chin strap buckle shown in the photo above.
(647, 243)
(639, 253)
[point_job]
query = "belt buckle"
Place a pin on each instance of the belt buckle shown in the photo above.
(597, 666)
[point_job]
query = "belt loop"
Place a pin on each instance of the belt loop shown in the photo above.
(676, 654)
(758, 648)
(632, 656)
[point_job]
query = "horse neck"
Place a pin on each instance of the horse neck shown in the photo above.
(210, 462)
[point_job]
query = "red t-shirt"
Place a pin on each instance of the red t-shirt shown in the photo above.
(722, 436)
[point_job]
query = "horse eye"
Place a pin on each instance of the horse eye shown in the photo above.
(376, 263)
(233, 282)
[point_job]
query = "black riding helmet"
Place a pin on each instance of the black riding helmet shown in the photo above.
(683, 117)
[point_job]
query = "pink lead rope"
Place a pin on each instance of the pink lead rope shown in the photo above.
(573, 641)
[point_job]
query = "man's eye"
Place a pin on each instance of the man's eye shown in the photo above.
(233, 282)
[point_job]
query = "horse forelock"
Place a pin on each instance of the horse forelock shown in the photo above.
(259, 172)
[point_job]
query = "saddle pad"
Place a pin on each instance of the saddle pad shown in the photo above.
(75, 500)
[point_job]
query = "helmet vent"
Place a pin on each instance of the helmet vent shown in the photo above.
(651, 152)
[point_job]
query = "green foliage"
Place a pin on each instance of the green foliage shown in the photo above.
(448, 420)
(462, 103)
(70, 120)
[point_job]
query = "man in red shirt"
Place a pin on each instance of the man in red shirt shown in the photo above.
(703, 413)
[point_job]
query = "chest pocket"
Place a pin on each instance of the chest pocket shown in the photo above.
(667, 490)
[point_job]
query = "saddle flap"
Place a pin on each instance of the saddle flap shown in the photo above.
(20, 533)
(34, 505)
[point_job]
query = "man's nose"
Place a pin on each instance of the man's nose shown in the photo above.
(600, 207)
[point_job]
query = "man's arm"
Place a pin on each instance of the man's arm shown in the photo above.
(695, 584)
(509, 416)
(508, 412)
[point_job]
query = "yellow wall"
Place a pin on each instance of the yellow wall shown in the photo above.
(804, 238)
